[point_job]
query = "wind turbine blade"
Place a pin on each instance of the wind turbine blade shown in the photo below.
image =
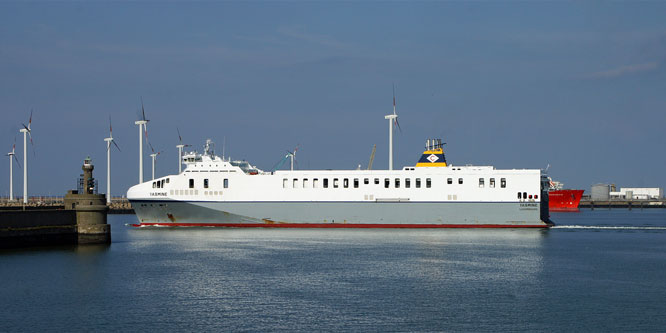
(115, 144)
(151, 147)
(30, 120)
(398, 124)
(110, 128)
(180, 139)
(17, 161)
(143, 112)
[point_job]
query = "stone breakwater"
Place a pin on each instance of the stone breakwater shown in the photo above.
(117, 206)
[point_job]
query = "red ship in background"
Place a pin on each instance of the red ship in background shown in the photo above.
(563, 200)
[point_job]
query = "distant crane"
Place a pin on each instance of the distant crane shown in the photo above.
(372, 157)
(109, 140)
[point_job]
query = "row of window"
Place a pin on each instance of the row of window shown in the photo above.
(206, 183)
(193, 192)
(491, 183)
(335, 182)
(523, 195)
(397, 182)
(160, 183)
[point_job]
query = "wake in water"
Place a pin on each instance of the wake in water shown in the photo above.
(596, 227)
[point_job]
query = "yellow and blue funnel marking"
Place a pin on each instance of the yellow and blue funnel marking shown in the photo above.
(432, 158)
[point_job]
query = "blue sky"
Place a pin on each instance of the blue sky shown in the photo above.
(577, 85)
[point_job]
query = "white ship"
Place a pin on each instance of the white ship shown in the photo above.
(213, 191)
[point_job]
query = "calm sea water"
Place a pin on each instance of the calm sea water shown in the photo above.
(596, 271)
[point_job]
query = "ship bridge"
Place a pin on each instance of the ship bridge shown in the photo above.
(209, 162)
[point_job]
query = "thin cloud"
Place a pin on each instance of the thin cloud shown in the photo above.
(625, 70)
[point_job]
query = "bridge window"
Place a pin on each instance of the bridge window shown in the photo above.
(460, 181)
(366, 181)
(418, 182)
(305, 183)
(191, 183)
(524, 195)
(335, 183)
(295, 183)
(345, 183)
(154, 184)
(407, 182)
(387, 182)
(355, 182)
(520, 195)
(205, 183)
(397, 183)
(325, 182)
(428, 183)
(285, 182)
(492, 183)
(481, 182)
(502, 182)
(226, 183)
(167, 180)
(376, 181)
(449, 181)
(315, 183)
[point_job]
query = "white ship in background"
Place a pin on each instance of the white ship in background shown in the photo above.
(212, 191)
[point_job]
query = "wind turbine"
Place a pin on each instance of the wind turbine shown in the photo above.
(153, 156)
(12, 155)
(393, 121)
(180, 147)
(109, 140)
(292, 154)
(142, 123)
(26, 132)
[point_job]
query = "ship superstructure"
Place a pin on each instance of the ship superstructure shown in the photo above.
(212, 191)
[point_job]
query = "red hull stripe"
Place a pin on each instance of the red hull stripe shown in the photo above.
(337, 225)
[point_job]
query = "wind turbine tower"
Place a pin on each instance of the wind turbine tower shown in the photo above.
(109, 140)
(180, 147)
(26, 131)
(392, 118)
(12, 156)
(153, 155)
(180, 157)
(142, 127)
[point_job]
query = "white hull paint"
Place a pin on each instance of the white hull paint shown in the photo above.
(215, 192)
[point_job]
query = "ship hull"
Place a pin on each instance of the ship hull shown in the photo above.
(340, 214)
(564, 200)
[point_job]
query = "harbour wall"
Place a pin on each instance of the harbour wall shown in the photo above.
(37, 227)
(117, 206)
